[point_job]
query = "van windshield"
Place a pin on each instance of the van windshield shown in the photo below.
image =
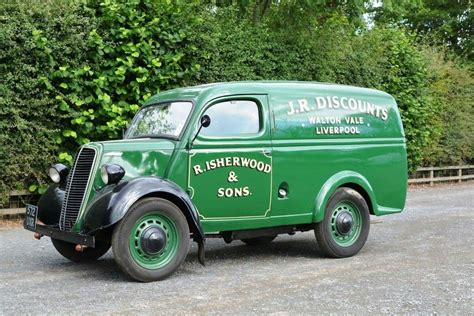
(162, 120)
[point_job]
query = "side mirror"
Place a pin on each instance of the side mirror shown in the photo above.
(205, 121)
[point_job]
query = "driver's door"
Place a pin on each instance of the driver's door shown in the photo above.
(230, 163)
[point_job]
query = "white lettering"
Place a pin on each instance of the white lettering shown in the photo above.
(220, 162)
(197, 169)
(292, 110)
(335, 100)
(233, 161)
(370, 109)
(220, 192)
(253, 163)
(344, 106)
(321, 102)
(236, 161)
(303, 103)
(267, 168)
(233, 192)
(353, 104)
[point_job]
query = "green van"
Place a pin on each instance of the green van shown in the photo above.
(239, 161)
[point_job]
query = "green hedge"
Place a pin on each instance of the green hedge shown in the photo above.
(73, 72)
(451, 88)
(383, 58)
(134, 51)
(29, 117)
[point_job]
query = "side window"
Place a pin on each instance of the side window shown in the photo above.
(233, 118)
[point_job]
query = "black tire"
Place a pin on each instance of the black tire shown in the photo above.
(259, 241)
(173, 225)
(328, 235)
(67, 250)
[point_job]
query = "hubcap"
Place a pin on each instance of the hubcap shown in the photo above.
(154, 241)
(346, 224)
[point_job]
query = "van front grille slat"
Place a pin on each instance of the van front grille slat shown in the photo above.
(76, 188)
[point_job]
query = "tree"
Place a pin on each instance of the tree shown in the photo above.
(450, 22)
(290, 12)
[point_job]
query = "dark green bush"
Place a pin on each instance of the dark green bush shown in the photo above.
(405, 76)
(73, 72)
(29, 117)
(451, 89)
(382, 58)
(135, 50)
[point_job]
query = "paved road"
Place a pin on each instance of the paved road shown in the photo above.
(417, 261)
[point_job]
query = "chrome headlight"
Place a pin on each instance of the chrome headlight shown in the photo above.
(111, 173)
(58, 173)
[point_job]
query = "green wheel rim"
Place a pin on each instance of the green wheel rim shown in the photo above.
(346, 240)
(170, 249)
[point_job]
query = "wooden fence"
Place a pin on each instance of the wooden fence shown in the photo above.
(16, 202)
(428, 175)
(442, 174)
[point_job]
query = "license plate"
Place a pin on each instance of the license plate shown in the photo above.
(30, 217)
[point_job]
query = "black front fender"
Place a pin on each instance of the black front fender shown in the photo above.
(112, 203)
(49, 205)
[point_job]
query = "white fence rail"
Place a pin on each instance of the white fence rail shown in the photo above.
(430, 175)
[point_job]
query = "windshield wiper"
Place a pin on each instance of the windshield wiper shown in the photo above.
(167, 136)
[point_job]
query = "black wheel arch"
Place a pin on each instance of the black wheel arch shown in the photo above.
(111, 205)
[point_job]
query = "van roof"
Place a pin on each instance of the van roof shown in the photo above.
(207, 92)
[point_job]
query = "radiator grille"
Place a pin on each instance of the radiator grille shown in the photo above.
(76, 188)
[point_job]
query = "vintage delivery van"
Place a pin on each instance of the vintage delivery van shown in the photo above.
(240, 161)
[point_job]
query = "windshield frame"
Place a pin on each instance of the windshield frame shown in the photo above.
(167, 136)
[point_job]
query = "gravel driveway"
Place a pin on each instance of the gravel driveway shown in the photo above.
(417, 261)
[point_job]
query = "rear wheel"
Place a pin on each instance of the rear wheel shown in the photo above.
(152, 240)
(67, 250)
(346, 224)
(259, 241)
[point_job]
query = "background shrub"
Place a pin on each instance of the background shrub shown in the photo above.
(29, 116)
(134, 50)
(451, 88)
(77, 71)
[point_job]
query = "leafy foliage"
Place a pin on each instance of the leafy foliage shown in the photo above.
(295, 11)
(442, 21)
(406, 79)
(29, 119)
(381, 58)
(76, 71)
(451, 89)
(135, 50)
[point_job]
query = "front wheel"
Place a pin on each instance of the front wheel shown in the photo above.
(345, 226)
(67, 250)
(152, 240)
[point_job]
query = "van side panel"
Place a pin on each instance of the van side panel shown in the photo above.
(329, 130)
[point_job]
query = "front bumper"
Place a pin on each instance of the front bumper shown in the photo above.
(56, 233)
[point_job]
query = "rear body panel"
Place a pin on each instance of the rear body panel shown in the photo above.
(326, 130)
